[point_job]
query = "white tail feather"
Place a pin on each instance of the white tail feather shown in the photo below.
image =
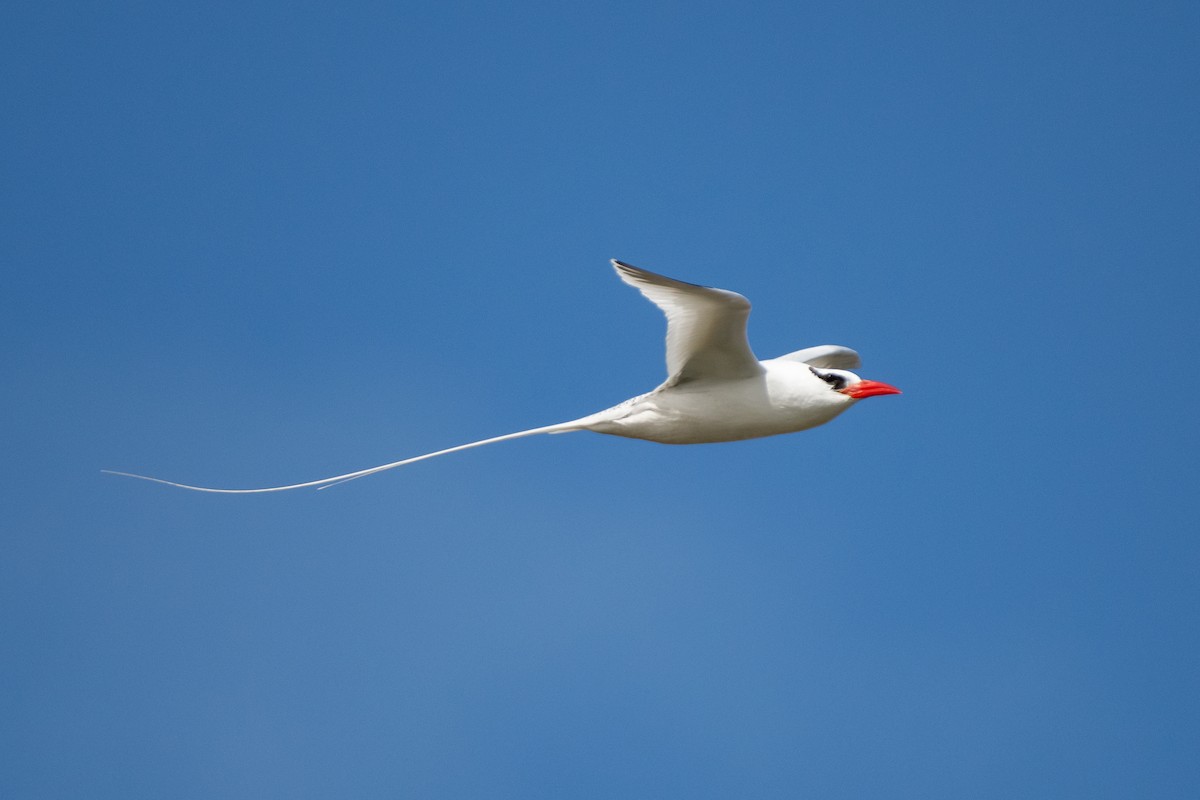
(325, 483)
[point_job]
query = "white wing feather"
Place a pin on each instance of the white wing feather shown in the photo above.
(706, 328)
(826, 356)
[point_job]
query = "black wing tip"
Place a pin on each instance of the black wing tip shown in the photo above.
(630, 271)
(646, 276)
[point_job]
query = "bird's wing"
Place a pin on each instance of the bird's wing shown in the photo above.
(706, 328)
(826, 356)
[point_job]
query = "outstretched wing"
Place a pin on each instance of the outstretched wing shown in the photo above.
(706, 328)
(826, 356)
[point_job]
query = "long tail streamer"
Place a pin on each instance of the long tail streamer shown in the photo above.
(325, 483)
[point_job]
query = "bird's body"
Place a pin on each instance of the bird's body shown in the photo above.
(784, 398)
(716, 389)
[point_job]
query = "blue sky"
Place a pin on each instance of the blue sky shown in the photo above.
(257, 243)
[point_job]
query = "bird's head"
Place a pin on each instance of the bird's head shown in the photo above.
(847, 383)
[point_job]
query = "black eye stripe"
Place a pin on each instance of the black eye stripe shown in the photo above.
(836, 381)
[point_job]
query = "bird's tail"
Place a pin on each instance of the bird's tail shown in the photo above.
(325, 483)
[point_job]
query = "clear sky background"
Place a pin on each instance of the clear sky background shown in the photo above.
(257, 243)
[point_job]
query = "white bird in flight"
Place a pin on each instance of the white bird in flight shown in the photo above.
(715, 391)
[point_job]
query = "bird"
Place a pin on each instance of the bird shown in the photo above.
(716, 389)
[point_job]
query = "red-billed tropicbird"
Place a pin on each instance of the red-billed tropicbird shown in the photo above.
(716, 390)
